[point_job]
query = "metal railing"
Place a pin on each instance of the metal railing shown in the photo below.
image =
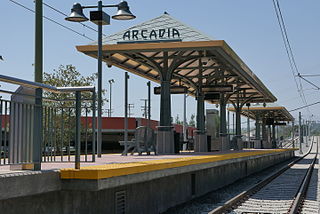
(36, 129)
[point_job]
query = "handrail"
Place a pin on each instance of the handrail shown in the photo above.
(30, 84)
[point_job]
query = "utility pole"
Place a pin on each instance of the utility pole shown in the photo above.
(130, 106)
(293, 133)
(110, 106)
(300, 133)
(144, 108)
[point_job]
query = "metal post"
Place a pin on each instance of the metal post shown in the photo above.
(200, 102)
(307, 133)
(238, 122)
(248, 127)
(258, 136)
(185, 117)
(110, 99)
(165, 97)
(200, 113)
(37, 130)
(273, 136)
(300, 133)
(38, 64)
(126, 112)
(78, 129)
(228, 128)
(233, 125)
(277, 136)
(149, 103)
(238, 116)
(293, 133)
(38, 73)
(223, 123)
(99, 135)
(94, 126)
(165, 139)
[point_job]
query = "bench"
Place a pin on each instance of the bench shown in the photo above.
(143, 141)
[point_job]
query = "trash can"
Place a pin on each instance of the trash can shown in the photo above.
(209, 143)
(176, 142)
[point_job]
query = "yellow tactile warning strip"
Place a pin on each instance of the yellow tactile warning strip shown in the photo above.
(113, 170)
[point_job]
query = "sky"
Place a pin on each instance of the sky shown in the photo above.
(250, 27)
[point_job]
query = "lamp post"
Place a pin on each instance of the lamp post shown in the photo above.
(100, 18)
(110, 106)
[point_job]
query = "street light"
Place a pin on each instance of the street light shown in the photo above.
(110, 83)
(100, 18)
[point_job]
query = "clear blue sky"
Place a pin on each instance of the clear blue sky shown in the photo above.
(249, 26)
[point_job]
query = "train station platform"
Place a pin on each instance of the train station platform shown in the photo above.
(116, 182)
(126, 165)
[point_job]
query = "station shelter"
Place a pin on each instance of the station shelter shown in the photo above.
(180, 58)
(267, 119)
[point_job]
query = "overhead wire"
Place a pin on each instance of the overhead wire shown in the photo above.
(53, 21)
(306, 106)
(285, 41)
(292, 62)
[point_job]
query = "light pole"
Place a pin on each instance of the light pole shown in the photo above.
(38, 74)
(110, 105)
(100, 18)
(126, 111)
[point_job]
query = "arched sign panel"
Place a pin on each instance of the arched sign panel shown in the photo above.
(151, 35)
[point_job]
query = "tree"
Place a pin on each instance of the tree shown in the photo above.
(66, 76)
(177, 120)
(192, 121)
(59, 108)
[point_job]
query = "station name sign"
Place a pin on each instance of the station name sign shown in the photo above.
(151, 34)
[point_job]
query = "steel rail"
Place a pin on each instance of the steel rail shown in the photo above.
(296, 205)
(234, 202)
(30, 84)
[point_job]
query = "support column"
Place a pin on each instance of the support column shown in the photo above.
(223, 124)
(257, 141)
(274, 143)
(200, 144)
(258, 126)
(200, 137)
(239, 144)
(165, 139)
(264, 134)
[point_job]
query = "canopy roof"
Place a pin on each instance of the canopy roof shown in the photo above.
(212, 62)
(279, 113)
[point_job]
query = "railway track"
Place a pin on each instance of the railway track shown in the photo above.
(282, 192)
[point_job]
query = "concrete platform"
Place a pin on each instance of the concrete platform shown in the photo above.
(140, 184)
(137, 164)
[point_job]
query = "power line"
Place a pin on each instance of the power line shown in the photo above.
(51, 20)
(292, 62)
(306, 106)
(286, 42)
